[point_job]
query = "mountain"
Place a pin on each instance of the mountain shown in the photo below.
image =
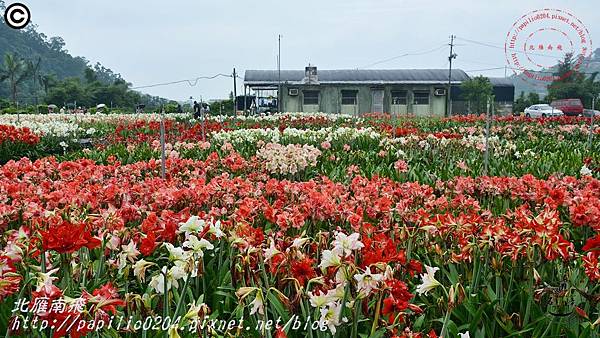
(57, 66)
(590, 65)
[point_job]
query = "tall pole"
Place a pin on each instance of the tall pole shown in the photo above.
(486, 159)
(450, 58)
(162, 144)
(234, 92)
(591, 135)
(245, 98)
(279, 74)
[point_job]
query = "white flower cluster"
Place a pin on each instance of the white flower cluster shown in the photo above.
(87, 118)
(184, 259)
(287, 116)
(50, 128)
(497, 146)
(290, 159)
(329, 134)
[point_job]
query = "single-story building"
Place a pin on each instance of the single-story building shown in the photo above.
(418, 92)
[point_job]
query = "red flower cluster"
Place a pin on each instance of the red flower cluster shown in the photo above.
(13, 134)
(66, 237)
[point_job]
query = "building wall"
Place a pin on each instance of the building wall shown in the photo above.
(330, 99)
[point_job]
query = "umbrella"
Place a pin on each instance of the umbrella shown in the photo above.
(53, 106)
(101, 105)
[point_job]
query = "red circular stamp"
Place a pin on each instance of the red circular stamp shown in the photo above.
(541, 38)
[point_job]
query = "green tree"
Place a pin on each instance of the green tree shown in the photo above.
(570, 83)
(533, 98)
(477, 90)
(15, 70)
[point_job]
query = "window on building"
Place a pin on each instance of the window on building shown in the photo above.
(349, 97)
(421, 97)
(311, 97)
(399, 97)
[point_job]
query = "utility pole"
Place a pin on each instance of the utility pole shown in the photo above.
(591, 134)
(279, 74)
(234, 92)
(163, 156)
(450, 58)
(486, 159)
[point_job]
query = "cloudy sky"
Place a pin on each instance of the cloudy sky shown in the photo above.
(154, 41)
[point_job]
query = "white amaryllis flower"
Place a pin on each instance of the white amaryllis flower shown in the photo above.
(428, 281)
(215, 229)
(318, 299)
(175, 253)
(585, 171)
(330, 258)
(271, 251)
(43, 278)
(345, 244)
(139, 268)
(158, 281)
(198, 245)
(299, 242)
(193, 225)
(338, 293)
(464, 335)
(258, 304)
(173, 275)
(330, 316)
(368, 281)
(130, 251)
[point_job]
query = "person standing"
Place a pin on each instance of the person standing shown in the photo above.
(196, 110)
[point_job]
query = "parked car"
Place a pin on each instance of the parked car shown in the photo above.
(588, 113)
(542, 110)
(570, 107)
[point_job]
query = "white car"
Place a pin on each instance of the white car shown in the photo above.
(542, 110)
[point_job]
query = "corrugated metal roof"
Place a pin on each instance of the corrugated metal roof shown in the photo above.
(358, 76)
(501, 82)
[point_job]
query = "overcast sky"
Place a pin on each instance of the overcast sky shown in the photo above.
(154, 41)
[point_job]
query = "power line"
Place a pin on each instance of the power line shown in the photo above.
(192, 82)
(404, 55)
(503, 48)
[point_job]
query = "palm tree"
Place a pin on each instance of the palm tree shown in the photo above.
(15, 71)
(36, 77)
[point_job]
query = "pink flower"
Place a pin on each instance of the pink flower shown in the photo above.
(462, 165)
(401, 166)
(326, 145)
(353, 169)
(346, 147)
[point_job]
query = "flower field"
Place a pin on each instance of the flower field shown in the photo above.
(299, 225)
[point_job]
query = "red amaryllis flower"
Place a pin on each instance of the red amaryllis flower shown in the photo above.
(398, 299)
(592, 244)
(279, 333)
(591, 266)
(9, 285)
(106, 299)
(67, 237)
(303, 270)
(148, 244)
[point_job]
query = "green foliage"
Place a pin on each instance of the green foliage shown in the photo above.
(477, 90)
(223, 107)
